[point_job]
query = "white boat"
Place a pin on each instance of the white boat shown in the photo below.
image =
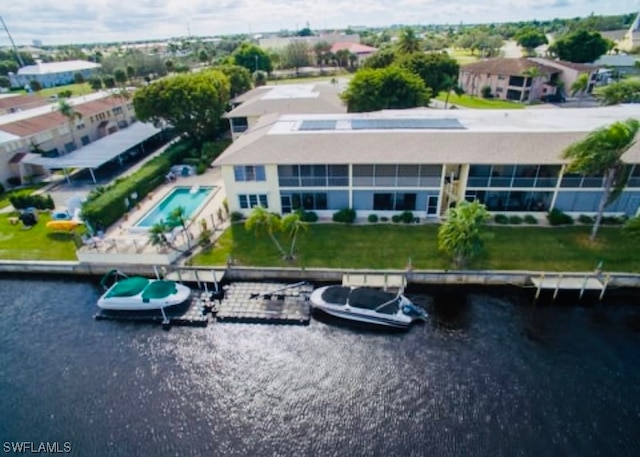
(368, 305)
(137, 293)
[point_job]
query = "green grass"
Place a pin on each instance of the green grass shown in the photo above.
(390, 246)
(479, 102)
(76, 89)
(36, 243)
(463, 56)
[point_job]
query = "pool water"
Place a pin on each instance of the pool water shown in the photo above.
(190, 198)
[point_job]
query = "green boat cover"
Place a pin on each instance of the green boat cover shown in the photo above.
(159, 289)
(128, 287)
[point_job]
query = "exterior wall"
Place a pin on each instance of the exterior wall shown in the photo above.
(50, 79)
(268, 187)
(283, 42)
(472, 83)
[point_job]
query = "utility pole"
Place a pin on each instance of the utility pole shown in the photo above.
(15, 49)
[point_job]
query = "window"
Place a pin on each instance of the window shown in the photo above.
(80, 126)
(69, 147)
(394, 202)
(363, 175)
(85, 140)
(249, 173)
(250, 200)
(308, 200)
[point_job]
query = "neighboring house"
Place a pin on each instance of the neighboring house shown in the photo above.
(421, 161)
(276, 43)
(54, 73)
(631, 39)
(361, 51)
(248, 108)
(570, 72)
(15, 103)
(517, 79)
(46, 130)
(623, 64)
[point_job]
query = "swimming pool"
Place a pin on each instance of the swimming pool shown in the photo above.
(190, 198)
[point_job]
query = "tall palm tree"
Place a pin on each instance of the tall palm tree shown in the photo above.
(177, 218)
(450, 84)
(580, 86)
(66, 109)
(408, 42)
(601, 153)
(261, 221)
(158, 235)
(291, 225)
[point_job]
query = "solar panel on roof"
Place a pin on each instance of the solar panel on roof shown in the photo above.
(318, 125)
(405, 124)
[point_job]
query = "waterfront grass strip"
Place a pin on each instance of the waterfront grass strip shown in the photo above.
(391, 246)
(478, 102)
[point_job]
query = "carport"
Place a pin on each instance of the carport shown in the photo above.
(99, 152)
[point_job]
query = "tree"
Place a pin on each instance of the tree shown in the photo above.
(35, 85)
(5, 82)
(295, 55)
(625, 91)
(451, 85)
(177, 218)
(120, 76)
(580, 86)
(8, 66)
(342, 56)
(259, 78)
(158, 235)
(252, 58)
(96, 83)
(580, 46)
(631, 228)
(261, 221)
(67, 110)
(460, 236)
(381, 59)
(530, 38)
(131, 72)
(432, 68)
(292, 224)
(169, 65)
(321, 49)
(109, 81)
(408, 42)
(203, 55)
(78, 78)
(239, 78)
(193, 103)
(385, 88)
(122, 95)
(600, 153)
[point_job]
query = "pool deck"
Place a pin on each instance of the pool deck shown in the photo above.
(125, 243)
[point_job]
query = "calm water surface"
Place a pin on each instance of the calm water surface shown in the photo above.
(489, 375)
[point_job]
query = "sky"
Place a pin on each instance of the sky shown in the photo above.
(90, 21)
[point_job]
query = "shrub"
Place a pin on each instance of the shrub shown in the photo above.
(201, 168)
(396, 218)
(236, 216)
(14, 181)
(515, 220)
(584, 219)
(373, 218)
(557, 217)
(32, 201)
(345, 215)
(500, 219)
(529, 219)
(308, 216)
(406, 217)
(613, 220)
(384, 219)
(486, 92)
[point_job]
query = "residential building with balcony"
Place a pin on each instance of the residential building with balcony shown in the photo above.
(422, 161)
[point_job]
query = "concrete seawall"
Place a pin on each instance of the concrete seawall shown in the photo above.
(436, 277)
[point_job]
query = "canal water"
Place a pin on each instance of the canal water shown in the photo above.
(488, 375)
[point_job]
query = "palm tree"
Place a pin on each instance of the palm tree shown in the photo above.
(67, 110)
(451, 85)
(262, 221)
(122, 95)
(601, 153)
(408, 42)
(292, 223)
(460, 235)
(158, 235)
(580, 86)
(177, 219)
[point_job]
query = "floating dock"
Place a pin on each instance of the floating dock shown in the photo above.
(195, 313)
(558, 282)
(266, 303)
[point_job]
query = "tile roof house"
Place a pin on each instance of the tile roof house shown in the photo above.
(361, 51)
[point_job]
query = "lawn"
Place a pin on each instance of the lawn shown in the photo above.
(36, 243)
(463, 56)
(479, 102)
(76, 90)
(391, 246)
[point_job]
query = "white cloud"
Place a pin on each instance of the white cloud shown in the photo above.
(115, 20)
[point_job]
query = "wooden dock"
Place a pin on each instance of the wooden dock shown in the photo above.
(195, 313)
(266, 303)
(560, 282)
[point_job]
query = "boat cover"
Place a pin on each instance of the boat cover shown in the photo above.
(361, 297)
(159, 289)
(128, 287)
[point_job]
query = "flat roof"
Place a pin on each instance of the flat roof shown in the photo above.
(99, 152)
(476, 136)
